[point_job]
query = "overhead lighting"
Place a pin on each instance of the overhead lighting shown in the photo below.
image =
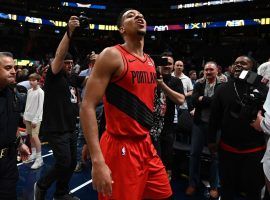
(164, 27)
(208, 3)
(80, 5)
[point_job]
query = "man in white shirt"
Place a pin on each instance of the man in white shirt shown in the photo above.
(187, 84)
(188, 88)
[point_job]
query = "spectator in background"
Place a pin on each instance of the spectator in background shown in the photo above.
(202, 97)
(22, 78)
(25, 73)
(19, 75)
(187, 84)
(32, 118)
(229, 72)
(76, 68)
(25, 84)
(221, 76)
(90, 61)
(182, 115)
(193, 76)
(186, 81)
(264, 71)
(201, 75)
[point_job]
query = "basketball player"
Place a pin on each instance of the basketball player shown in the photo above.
(125, 165)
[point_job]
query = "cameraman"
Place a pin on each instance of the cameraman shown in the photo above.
(172, 88)
(241, 148)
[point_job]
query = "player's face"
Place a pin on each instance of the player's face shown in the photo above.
(7, 71)
(133, 22)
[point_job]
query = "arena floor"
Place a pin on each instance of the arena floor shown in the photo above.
(80, 183)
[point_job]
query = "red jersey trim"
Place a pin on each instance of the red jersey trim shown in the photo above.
(229, 148)
(143, 61)
(125, 70)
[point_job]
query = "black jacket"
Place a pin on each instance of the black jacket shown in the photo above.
(235, 130)
(198, 91)
(9, 116)
(176, 85)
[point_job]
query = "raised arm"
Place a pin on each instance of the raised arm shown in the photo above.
(108, 64)
(63, 47)
(175, 96)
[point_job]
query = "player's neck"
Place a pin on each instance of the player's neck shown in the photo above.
(135, 46)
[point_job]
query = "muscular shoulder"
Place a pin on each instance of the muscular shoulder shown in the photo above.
(109, 59)
(110, 51)
(110, 55)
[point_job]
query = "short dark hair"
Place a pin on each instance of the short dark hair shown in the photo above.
(191, 72)
(211, 62)
(253, 61)
(6, 54)
(119, 19)
(68, 56)
(167, 54)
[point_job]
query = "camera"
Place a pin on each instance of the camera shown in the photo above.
(250, 77)
(84, 21)
(253, 99)
(159, 61)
